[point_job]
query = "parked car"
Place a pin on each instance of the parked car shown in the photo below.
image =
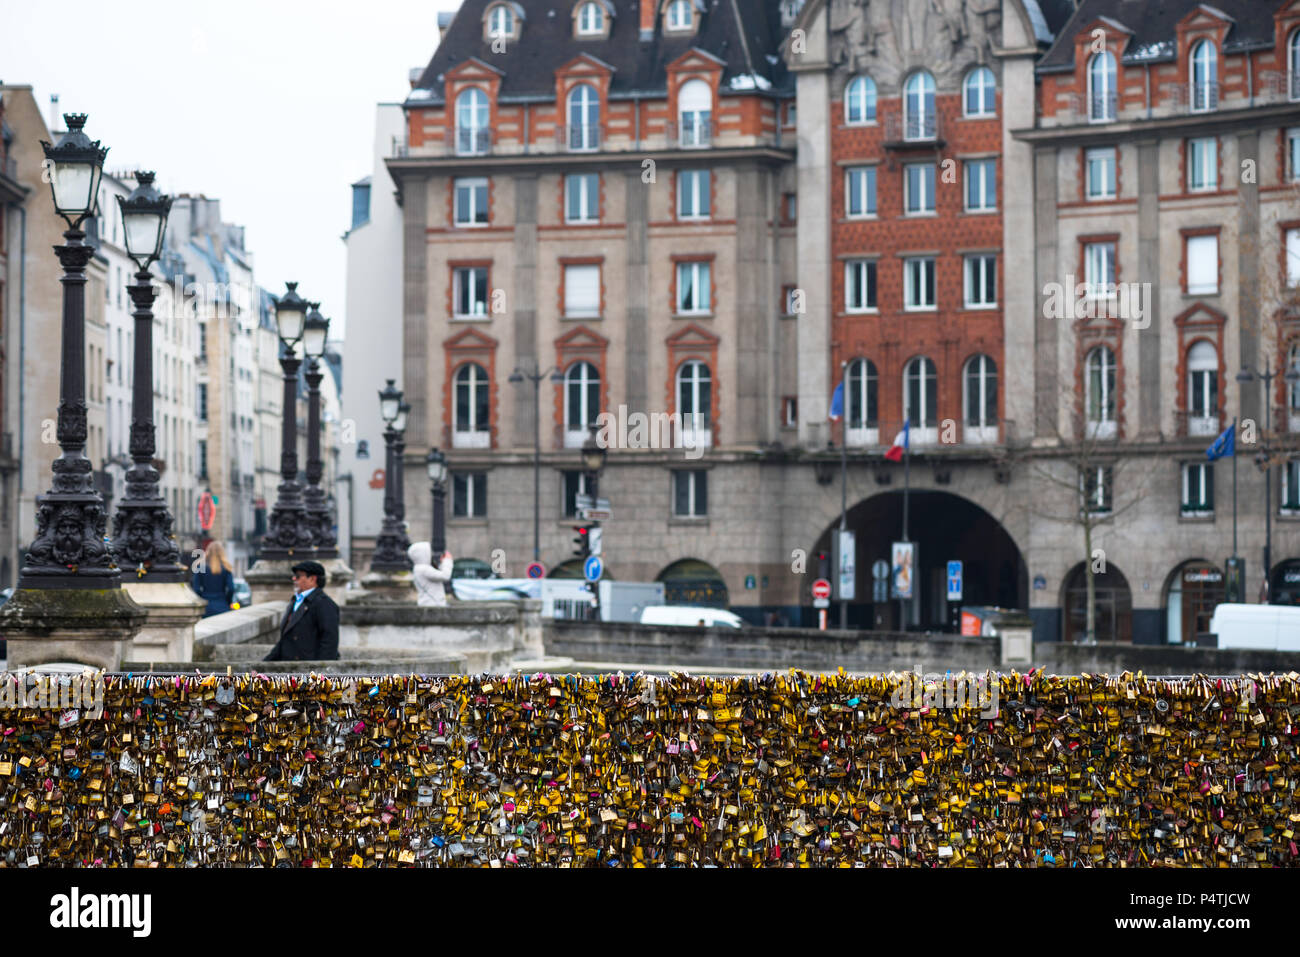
(243, 594)
(690, 615)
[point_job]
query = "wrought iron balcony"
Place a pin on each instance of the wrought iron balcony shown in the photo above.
(584, 138)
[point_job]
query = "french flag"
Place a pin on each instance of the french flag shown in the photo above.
(837, 403)
(895, 453)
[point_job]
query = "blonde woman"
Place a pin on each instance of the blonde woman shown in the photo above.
(216, 583)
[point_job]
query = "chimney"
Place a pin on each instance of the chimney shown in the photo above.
(56, 121)
(648, 9)
(444, 21)
(414, 75)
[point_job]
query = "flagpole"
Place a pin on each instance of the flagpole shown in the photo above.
(907, 485)
(1234, 488)
(844, 493)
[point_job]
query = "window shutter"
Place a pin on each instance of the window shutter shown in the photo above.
(1202, 264)
(581, 290)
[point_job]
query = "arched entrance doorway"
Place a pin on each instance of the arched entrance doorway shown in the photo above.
(1284, 587)
(943, 527)
(1194, 589)
(1112, 600)
(693, 582)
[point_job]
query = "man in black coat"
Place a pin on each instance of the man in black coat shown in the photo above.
(310, 629)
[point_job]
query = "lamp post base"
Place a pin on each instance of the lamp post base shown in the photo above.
(270, 579)
(89, 626)
(173, 610)
(386, 585)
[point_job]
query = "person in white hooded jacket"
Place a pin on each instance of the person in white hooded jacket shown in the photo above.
(429, 580)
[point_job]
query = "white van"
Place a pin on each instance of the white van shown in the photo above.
(690, 615)
(1272, 627)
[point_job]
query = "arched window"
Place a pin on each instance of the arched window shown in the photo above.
(581, 402)
(918, 107)
(1102, 85)
(680, 14)
(1099, 392)
(472, 423)
(860, 100)
(695, 113)
(501, 21)
(1205, 77)
(584, 117)
(920, 398)
(1202, 389)
(860, 384)
(472, 122)
(978, 89)
(1293, 65)
(695, 400)
(981, 400)
(591, 19)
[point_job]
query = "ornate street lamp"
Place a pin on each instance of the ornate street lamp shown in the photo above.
(319, 521)
(142, 528)
(288, 534)
(593, 458)
(435, 464)
(518, 377)
(1247, 375)
(392, 543)
(69, 549)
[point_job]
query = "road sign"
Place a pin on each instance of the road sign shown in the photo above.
(582, 501)
(594, 538)
(954, 581)
(594, 514)
(880, 590)
(821, 588)
(845, 552)
(536, 570)
(592, 568)
(750, 582)
(880, 569)
(821, 603)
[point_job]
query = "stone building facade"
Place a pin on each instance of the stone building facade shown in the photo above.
(908, 199)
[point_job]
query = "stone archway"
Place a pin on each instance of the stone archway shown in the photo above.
(690, 581)
(1113, 601)
(944, 527)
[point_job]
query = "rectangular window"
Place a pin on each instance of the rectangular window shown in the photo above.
(1097, 483)
(1099, 269)
(791, 300)
(582, 198)
(1202, 164)
(690, 493)
(469, 494)
(981, 186)
(790, 411)
(1202, 264)
(918, 283)
(918, 188)
(472, 201)
(1292, 173)
(203, 458)
(860, 191)
(860, 285)
(1101, 173)
(575, 484)
(1293, 258)
(581, 291)
(470, 291)
(791, 207)
(981, 282)
(1291, 486)
(203, 402)
(693, 194)
(1198, 487)
(693, 294)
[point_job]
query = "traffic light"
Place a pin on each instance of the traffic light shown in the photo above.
(582, 541)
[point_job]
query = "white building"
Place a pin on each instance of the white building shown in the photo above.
(374, 333)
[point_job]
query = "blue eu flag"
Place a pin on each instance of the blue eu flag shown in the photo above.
(1225, 444)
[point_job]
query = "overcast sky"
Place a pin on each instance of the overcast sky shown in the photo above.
(267, 105)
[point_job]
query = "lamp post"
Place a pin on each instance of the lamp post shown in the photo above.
(435, 464)
(143, 535)
(315, 331)
(69, 549)
(593, 460)
(1263, 460)
(518, 377)
(288, 533)
(392, 543)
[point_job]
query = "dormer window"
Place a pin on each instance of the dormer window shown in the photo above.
(502, 21)
(591, 19)
(1205, 77)
(681, 15)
